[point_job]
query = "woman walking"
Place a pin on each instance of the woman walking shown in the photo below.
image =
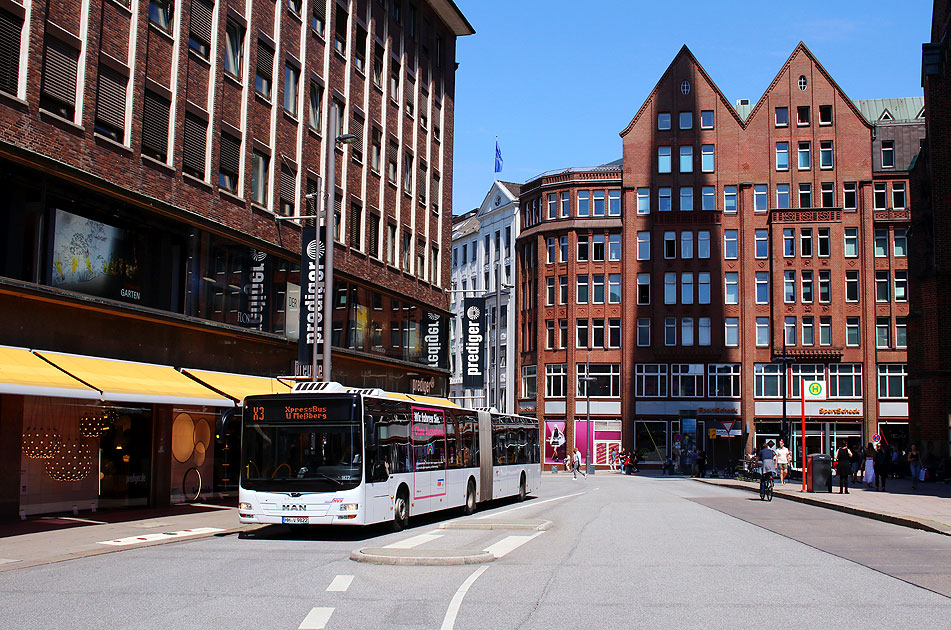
(843, 466)
(869, 477)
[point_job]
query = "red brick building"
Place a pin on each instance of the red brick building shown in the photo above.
(929, 326)
(757, 246)
(148, 149)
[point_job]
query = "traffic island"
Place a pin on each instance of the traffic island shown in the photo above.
(533, 524)
(421, 557)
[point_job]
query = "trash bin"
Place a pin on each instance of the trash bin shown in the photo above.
(819, 473)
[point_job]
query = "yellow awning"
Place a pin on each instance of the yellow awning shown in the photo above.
(22, 372)
(427, 400)
(238, 386)
(127, 381)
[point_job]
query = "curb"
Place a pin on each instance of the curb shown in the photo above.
(411, 557)
(539, 525)
(905, 521)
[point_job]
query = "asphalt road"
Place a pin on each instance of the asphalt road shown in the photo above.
(623, 552)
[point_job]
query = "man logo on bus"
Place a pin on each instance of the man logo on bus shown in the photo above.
(815, 389)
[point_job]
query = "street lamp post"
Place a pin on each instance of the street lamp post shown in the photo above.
(330, 221)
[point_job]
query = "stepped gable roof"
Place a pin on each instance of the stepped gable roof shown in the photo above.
(684, 51)
(802, 48)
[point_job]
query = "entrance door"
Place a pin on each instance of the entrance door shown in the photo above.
(125, 459)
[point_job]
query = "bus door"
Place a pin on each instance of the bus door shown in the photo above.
(384, 437)
(429, 457)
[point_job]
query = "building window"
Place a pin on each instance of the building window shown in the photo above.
(891, 380)
(708, 198)
(562, 289)
(58, 85)
(155, 126)
(670, 245)
(598, 199)
(825, 114)
(562, 333)
(161, 13)
(291, 77)
(262, 78)
(901, 285)
(110, 101)
(762, 331)
(782, 116)
(605, 380)
(760, 198)
(643, 245)
(805, 156)
(802, 115)
(360, 54)
(805, 242)
(340, 32)
(828, 194)
(581, 333)
(881, 242)
(898, 195)
(730, 244)
(670, 287)
(852, 337)
(845, 380)
(686, 331)
(849, 195)
(259, 176)
(882, 332)
(707, 158)
(643, 331)
(731, 327)
(686, 199)
(703, 331)
(556, 375)
(663, 199)
(650, 380)
(194, 139)
(582, 289)
(529, 381)
(318, 18)
(703, 287)
(11, 27)
(706, 119)
(901, 333)
(583, 247)
(825, 154)
(565, 205)
(199, 26)
(782, 196)
(563, 253)
(825, 246)
(761, 243)
(825, 331)
(880, 195)
(762, 287)
(597, 288)
(808, 331)
(768, 380)
(584, 203)
(703, 244)
(643, 288)
(229, 160)
(670, 331)
(789, 331)
(731, 282)
(789, 286)
(686, 159)
(851, 242)
(663, 121)
(552, 205)
(804, 372)
(614, 288)
(888, 154)
(614, 247)
(851, 286)
(789, 242)
(805, 289)
(901, 242)
(723, 380)
(686, 244)
(234, 48)
(686, 120)
(805, 195)
(782, 156)
(663, 159)
(729, 199)
(643, 201)
(686, 287)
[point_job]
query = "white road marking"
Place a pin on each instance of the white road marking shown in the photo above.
(340, 583)
(316, 619)
(509, 543)
(414, 541)
(532, 504)
(8, 560)
(133, 540)
(450, 620)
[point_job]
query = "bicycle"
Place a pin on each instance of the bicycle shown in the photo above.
(766, 484)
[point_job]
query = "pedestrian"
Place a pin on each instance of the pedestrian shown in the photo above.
(782, 462)
(624, 459)
(881, 463)
(914, 463)
(858, 457)
(702, 463)
(869, 477)
(632, 468)
(692, 463)
(894, 467)
(613, 458)
(577, 466)
(843, 466)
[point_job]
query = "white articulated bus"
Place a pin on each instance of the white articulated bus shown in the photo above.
(327, 454)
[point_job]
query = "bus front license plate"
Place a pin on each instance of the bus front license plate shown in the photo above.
(295, 520)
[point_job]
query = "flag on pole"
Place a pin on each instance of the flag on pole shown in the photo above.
(498, 157)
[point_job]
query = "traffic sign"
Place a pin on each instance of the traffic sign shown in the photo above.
(876, 438)
(815, 390)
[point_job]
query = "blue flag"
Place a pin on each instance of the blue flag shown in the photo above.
(498, 158)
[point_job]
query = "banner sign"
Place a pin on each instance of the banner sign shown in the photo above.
(473, 327)
(435, 340)
(311, 300)
(254, 312)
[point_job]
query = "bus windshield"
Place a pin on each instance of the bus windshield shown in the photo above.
(311, 444)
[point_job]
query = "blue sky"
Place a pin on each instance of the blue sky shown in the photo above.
(556, 81)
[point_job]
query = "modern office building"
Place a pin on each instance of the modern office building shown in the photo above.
(733, 253)
(929, 326)
(483, 246)
(150, 152)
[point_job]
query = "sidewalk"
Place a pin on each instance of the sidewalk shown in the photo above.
(43, 540)
(927, 508)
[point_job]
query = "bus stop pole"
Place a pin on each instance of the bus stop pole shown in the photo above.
(802, 395)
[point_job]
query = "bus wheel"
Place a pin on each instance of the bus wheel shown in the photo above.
(400, 511)
(470, 505)
(522, 492)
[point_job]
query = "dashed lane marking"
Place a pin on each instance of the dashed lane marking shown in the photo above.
(316, 619)
(509, 543)
(340, 583)
(185, 533)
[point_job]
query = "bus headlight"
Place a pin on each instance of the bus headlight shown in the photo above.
(349, 507)
(244, 507)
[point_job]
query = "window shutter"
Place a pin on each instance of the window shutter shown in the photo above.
(373, 235)
(287, 184)
(60, 63)
(319, 10)
(265, 60)
(193, 145)
(110, 106)
(155, 125)
(230, 154)
(356, 214)
(356, 128)
(10, 28)
(200, 23)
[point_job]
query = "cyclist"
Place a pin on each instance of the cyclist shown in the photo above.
(767, 459)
